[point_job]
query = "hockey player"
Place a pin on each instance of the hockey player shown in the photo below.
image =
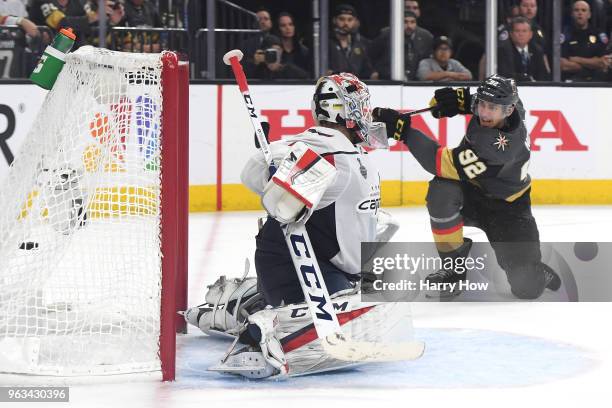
(281, 336)
(483, 182)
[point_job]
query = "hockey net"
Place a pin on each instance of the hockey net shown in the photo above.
(87, 210)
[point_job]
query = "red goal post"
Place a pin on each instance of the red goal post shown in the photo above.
(175, 204)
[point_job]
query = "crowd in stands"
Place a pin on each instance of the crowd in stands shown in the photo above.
(524, 47)
(443, 40)
(41, 19)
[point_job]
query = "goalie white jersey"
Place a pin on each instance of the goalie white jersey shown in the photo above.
(346, 214)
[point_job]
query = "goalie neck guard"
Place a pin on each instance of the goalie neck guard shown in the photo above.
(343, 99)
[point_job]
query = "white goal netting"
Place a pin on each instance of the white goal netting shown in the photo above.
(80, 260)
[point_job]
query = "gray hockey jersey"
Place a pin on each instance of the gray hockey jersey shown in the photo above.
(346, 215)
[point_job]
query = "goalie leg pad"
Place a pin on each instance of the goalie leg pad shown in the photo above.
(291, 328)
(228, 302)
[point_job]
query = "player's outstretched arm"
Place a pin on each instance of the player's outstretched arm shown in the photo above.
(423, 148)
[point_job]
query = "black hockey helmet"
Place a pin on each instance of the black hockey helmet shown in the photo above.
(499, 90)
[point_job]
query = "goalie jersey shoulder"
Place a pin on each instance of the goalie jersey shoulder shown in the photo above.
(325, 141)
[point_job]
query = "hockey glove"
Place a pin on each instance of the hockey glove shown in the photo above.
(265, 126)
(448, 102)
(397, 124)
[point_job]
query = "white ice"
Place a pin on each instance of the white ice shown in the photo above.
(493, 354)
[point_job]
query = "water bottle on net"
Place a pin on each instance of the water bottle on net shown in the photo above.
(52, 60)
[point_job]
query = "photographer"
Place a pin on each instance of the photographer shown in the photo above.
(267, 62)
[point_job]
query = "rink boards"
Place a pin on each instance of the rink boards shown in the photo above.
(569, 128)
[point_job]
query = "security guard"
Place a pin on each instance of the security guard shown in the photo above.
(582, 49)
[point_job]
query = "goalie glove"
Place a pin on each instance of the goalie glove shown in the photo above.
(298, 185)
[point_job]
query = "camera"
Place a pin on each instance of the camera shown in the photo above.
(272, 56)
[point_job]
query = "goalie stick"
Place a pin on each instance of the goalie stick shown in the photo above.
(307, 268)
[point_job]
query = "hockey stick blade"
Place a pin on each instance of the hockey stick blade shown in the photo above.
(345, 349)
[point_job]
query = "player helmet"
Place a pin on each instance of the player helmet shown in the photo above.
(497, 90)
(343, 99)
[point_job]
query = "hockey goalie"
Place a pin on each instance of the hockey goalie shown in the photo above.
(324, 176)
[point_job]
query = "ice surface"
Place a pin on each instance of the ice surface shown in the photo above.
(494, 354)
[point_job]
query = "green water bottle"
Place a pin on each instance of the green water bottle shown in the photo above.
(52, 60)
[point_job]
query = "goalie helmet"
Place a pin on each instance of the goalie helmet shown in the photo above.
(343, 99)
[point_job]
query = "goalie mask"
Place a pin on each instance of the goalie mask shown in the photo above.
(344, 99)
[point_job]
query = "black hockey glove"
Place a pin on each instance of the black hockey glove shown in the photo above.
(448, 102)
(265, 126)
(397, 124)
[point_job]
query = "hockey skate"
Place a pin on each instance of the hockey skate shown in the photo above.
(445, 282)
(553, 281)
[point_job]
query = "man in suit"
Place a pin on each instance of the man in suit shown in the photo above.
(519, 58)
(418, 45)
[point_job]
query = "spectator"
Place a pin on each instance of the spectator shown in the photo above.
(17, 44)
(413, 6)
(417, 46)
(520, 58)
(442, 67)
(252, 44)
(15, 8)
(71, 13)
(267, 62)
(294, 51)
(141, 14)
(26, 25)
(529, 10)
(582, 51)
(347, 53)
(13, 12)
